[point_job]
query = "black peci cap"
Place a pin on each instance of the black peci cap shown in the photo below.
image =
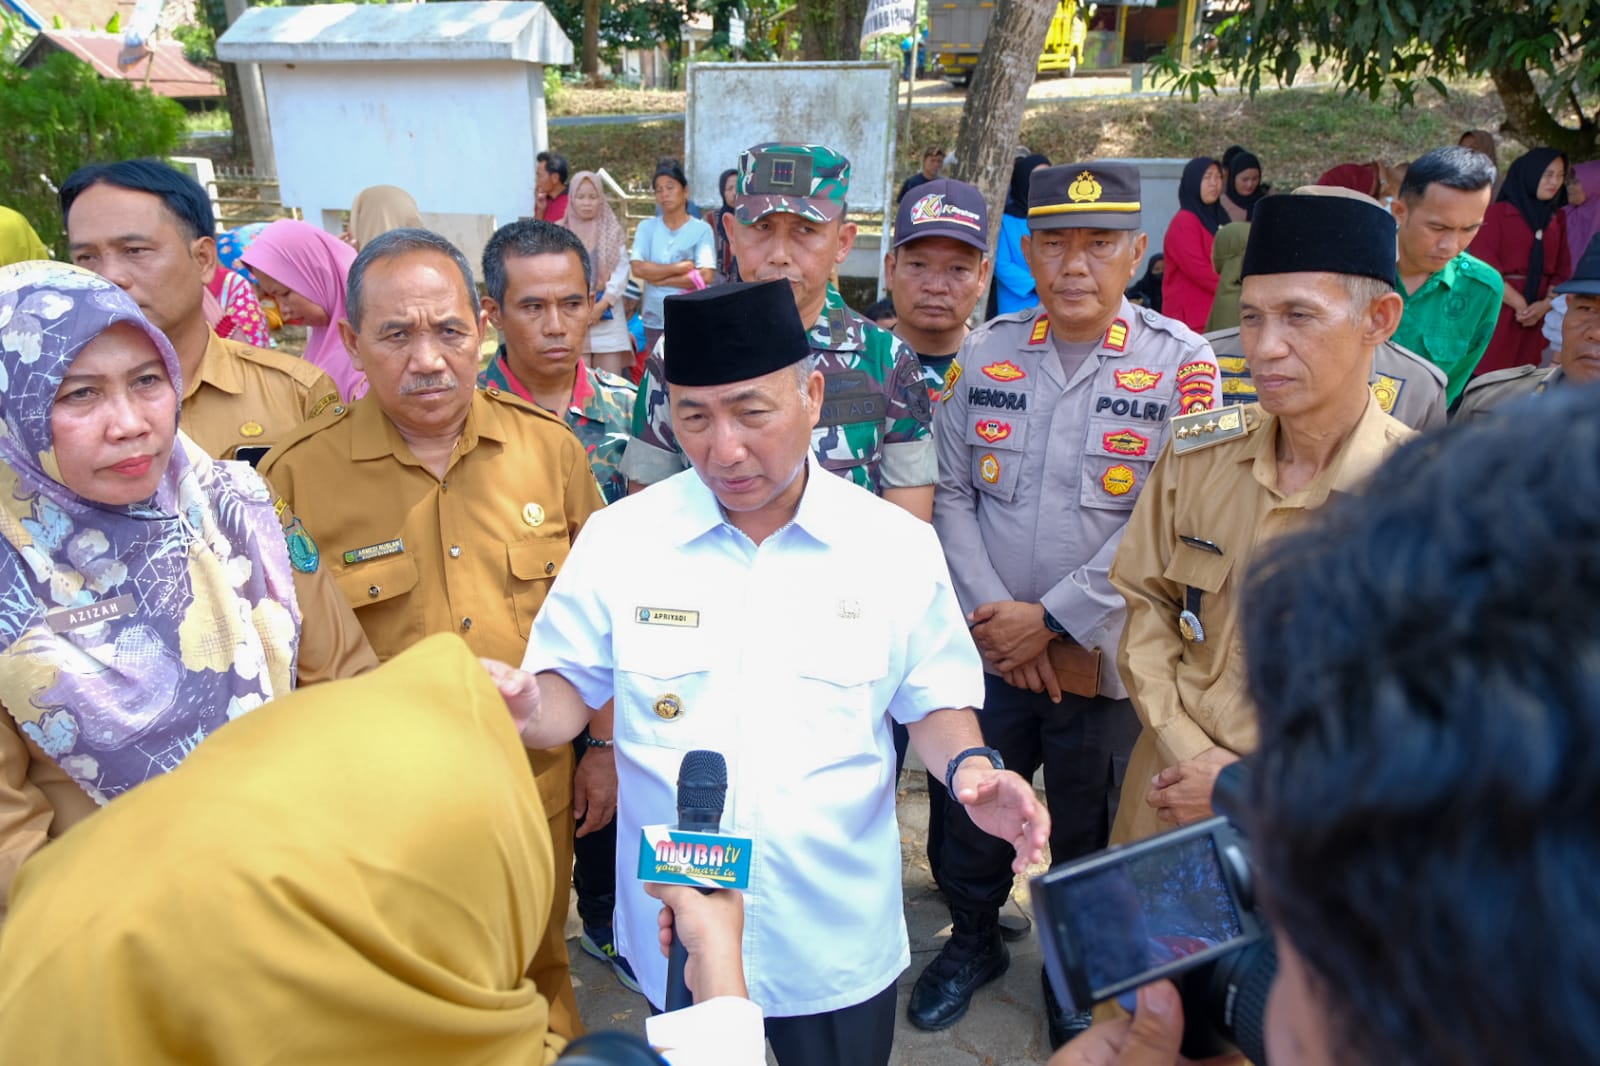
(1323, 234)
(733, 332)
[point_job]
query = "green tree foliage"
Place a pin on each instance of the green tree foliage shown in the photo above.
(61, 115)
(1543, 56)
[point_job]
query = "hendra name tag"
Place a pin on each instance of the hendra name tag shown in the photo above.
(373, 551)
(67, 618)
(666, 616)
(670, 856)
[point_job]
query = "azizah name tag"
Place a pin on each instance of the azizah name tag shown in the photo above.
(670, 856)
(67, 618)
(666, 616)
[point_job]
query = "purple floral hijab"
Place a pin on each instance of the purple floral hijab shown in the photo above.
(127, 634)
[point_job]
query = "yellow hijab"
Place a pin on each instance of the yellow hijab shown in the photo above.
(379, 209)
(354, 874)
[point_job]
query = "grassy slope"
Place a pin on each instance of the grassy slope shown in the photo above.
(1298, 133)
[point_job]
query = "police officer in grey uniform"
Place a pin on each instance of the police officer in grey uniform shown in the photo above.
(1047, 428)
(1408, 387)
(1578, 363)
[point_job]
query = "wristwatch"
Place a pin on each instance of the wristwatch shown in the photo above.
(950, 771)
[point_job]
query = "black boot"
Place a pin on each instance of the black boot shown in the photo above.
(973, 956)
(1064, 1025)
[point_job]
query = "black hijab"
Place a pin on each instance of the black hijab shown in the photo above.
(1521, 190)
(1211, 216)
(1017, 194)
(1243, 161)
(1148, 287)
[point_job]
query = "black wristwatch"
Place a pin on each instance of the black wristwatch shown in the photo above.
(1052, 625)
(950, 771)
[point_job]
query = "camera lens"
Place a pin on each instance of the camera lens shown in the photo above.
(1225, 1003)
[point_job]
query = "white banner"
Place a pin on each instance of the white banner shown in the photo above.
(888, 17)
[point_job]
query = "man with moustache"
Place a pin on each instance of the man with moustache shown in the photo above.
(1049, 422)
(147, 228)
(789, 224)
(1578, 363)
(442, 507)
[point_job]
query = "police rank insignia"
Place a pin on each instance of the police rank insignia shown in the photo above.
(303, 553)
(668, 707)
(1386, 390)
(1202, 429)
(1138, 379)
(1118, 481)
(1041, 330)
(1117, 336)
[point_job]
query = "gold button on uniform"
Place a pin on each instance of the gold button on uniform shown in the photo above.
(668, 707)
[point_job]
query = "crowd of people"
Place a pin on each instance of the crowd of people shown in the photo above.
(1014, 542)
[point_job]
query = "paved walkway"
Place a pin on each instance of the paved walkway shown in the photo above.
(1005, 1026)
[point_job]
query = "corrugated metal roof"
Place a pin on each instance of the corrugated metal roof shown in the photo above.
(167, 71)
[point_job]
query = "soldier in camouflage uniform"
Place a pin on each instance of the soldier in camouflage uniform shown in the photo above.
(876, 413)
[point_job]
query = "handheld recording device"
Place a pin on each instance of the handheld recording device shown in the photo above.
(1180, 906)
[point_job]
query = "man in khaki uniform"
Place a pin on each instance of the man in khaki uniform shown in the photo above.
(1318, 297)
(442, 508)
(148, 228)
(1046, 430)
(1578, 363)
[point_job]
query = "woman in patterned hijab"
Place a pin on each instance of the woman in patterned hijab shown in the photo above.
(146, 591)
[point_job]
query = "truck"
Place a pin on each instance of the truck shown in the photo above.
(957, 28)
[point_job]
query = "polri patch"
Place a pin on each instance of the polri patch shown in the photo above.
(63, 619)
(1118, 481)
(1125, 442)
(1005, 370)
(667, 616)
(374, 551)
(1138, 379)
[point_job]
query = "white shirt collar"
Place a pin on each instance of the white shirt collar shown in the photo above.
(818, 515)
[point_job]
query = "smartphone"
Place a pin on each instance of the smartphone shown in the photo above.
(1136, 913)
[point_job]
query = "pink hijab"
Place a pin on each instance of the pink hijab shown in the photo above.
(314, 264)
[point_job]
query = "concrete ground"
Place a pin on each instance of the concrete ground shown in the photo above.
(1005, 1026)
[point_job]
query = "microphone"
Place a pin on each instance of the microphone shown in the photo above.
(702, 792)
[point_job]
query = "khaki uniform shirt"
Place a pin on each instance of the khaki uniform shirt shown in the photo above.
(39, 802)
(1038, 473)
(1498, 387)
(249, 397)
(1409, 388)
(472, 554)
(1191, 695)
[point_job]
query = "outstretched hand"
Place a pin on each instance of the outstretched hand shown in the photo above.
(519, 689)
(1003, 805)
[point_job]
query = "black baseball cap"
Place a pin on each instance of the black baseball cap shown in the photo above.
(943, 207)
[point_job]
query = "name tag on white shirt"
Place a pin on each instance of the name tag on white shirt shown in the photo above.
(667, 616)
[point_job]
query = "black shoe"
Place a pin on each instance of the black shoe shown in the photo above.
(1064, 1024)
(944, 991)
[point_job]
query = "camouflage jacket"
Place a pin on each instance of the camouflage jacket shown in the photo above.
(599, 415)
(876, 412)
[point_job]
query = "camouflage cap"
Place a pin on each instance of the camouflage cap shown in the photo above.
(808, 180)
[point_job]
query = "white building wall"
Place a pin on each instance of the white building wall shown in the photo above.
(460, 137)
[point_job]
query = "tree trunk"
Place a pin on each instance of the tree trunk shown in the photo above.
(831, 29)
(591, 37)
(1529, 121)
(992, 117)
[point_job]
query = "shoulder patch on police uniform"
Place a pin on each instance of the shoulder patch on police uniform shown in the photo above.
(1386, 389)
(1196, 386)
(951, 375)
(1041, 329)
(1117, 336)
(1202, 429)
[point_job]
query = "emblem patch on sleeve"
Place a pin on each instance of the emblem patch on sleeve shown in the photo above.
(1118, 481)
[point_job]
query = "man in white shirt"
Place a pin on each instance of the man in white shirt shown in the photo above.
(762, 618)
